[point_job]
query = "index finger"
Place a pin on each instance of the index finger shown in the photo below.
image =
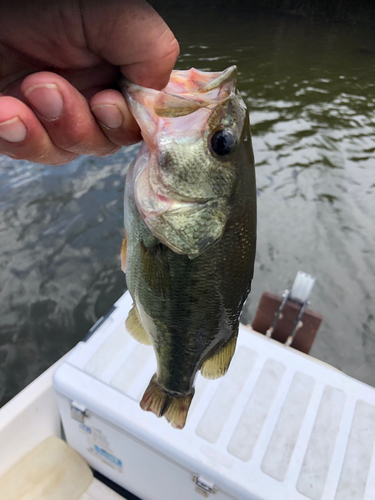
(132, 35)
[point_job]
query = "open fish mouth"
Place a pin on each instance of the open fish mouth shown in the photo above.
(190, 96)
(186, 92)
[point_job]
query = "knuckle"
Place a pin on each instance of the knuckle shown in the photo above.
(82, 140)
(62, 160)
(11, 154)
(109, 151)
(38, 151)
(77, 142)
(53, 157)
(168, 48)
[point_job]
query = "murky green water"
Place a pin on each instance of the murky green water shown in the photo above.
(310, 88)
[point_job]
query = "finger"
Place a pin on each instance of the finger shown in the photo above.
(133, 36)
(22, 136)
(114, 118)
(65, 115)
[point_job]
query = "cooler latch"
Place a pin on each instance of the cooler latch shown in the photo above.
(78, 412)
(203, 486)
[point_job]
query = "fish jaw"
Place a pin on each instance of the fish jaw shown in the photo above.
(193, 81)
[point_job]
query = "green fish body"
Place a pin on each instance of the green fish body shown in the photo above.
(190, 225)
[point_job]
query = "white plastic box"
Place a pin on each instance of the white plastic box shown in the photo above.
(280, 425)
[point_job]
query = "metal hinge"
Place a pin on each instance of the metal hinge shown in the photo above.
(203, 486)
(78, 411)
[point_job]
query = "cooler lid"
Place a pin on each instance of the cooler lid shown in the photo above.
(280, 424)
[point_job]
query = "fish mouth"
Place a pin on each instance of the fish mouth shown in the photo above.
(190, 97)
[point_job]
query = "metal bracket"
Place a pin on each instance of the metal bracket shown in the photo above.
(203, 486)
(299, 294)
(78, 412)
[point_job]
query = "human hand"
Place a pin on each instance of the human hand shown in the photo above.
(58, 63)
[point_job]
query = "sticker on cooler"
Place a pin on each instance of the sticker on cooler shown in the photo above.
(99, 447)
(108, 458)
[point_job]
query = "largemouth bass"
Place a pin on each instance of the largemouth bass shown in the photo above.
(190, 230)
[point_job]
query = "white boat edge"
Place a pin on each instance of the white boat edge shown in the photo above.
(29, 418)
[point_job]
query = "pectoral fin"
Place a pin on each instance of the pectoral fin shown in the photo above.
(217, 365)
(135, 328)
(155, 269)
(123, 252)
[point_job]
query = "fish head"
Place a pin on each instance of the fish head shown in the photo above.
(188, 167)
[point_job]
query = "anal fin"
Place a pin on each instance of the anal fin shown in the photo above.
(134, 326)
(217, 365)
(159, 402)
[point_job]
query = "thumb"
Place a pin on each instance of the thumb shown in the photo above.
(131, 34)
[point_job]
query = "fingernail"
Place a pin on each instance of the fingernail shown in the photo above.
(108, 115)
(13, 130)
(46, 99)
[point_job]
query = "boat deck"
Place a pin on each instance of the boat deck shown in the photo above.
(99, 491)
(54, 471)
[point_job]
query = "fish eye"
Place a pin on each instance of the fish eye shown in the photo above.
(223, 142)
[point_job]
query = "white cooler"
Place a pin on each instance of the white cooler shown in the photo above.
(280, 425)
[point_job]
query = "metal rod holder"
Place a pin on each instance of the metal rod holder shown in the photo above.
(298, 294)
(270, 330)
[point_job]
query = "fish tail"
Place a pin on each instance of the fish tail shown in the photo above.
(158, 401)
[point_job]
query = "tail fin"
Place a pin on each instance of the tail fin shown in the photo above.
(174, 408)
